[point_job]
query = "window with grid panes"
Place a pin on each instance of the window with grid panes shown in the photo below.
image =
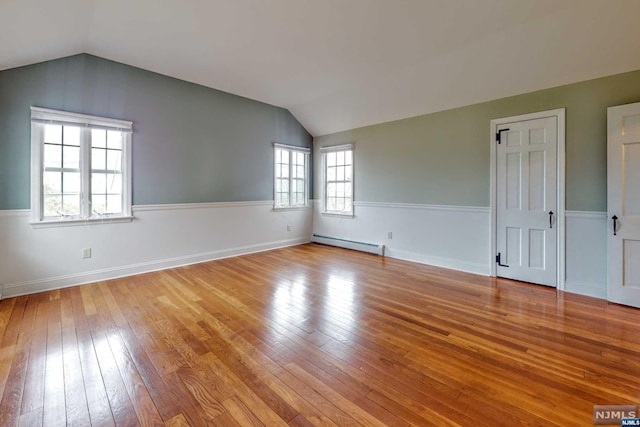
(106, 171)
(291, 176)
(338, 179)
(80, 167)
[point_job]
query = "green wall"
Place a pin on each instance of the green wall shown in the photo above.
(190, 143)
(443, 158)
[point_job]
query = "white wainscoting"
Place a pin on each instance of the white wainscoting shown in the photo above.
(160, 236)
(586, 253)
(455, 237)
(165, 236)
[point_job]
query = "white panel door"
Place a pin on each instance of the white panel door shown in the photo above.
(526, 198)
(623, 204)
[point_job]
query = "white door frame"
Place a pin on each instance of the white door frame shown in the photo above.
(559, 114)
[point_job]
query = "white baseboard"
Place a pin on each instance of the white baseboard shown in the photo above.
(596, 290)
(449, 263)
(52, 283)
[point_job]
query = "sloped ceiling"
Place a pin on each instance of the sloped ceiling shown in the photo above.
(339, 64)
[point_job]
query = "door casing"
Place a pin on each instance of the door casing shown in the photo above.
(559, 114)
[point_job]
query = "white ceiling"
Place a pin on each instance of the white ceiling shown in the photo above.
(339, 64)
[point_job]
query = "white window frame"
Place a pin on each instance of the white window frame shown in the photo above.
(42, 116)
(334, 149)
(291, 149)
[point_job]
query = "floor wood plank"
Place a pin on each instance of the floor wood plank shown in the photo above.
(312, 335)
(54, 401)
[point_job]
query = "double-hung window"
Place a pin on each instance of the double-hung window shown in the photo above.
(338, 179)
(291, 176)
(81, 167)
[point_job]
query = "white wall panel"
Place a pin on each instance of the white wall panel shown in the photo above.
(33, 259)
(454, 237)
(164, 236)
(586, 253)
(457, 237)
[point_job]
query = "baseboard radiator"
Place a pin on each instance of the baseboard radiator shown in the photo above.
(371, 248)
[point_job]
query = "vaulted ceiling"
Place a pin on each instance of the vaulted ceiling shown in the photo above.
(339, 64)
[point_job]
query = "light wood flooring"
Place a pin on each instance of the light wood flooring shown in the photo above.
(312, 335)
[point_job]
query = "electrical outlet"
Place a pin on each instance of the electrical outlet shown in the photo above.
(390, 235)
(288, 228)
(86, 253)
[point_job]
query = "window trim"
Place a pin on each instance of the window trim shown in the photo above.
(307, 155)
(40, 117)
(335, 149)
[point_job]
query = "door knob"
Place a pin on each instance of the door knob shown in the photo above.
(615, 224)
(550, 219)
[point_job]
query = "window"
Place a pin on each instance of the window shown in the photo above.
(81, 167)
(338, 179)
(291, 176)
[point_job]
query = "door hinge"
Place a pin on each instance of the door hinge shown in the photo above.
(500, 264)
(499, 135)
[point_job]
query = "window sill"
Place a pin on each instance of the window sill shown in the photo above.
(338, 214)
(83, 221)
(290, 208)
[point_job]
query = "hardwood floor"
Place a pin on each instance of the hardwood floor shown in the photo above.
(312, 335)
